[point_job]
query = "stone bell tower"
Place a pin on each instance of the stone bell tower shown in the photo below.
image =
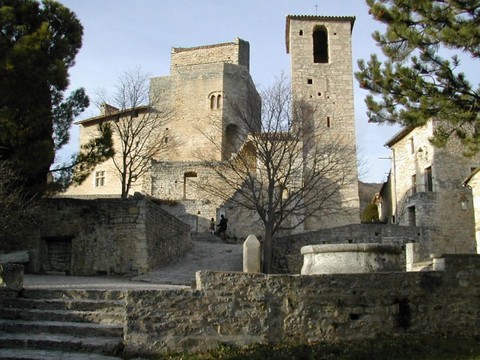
(322, 77)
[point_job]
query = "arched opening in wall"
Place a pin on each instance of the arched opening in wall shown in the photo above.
(231, 136)
(213, 102)
(250, 156)
(320, 44)
(219, 101)
(411, 214)
(189, 187)
(58, 251)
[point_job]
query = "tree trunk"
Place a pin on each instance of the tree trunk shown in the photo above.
(268, 251)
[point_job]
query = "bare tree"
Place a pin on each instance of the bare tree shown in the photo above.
(139, 129)
(287, 170)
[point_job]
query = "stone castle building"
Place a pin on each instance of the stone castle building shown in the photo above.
(203, 82)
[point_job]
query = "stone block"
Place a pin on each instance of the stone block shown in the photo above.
(11, 277)
(251, 255)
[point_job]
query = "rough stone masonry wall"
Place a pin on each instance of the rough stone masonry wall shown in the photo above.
(286, 252)
(241, 309)
(107, 236)
(237, 52)
(167, 237)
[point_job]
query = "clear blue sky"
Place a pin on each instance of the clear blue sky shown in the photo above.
(120, 35)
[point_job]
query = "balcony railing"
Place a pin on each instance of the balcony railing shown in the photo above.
(420, 188)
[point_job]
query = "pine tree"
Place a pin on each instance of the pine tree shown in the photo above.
(420, 79)
(38, 45)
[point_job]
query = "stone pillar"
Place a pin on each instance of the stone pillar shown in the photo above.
(411, 255)
(251, 255)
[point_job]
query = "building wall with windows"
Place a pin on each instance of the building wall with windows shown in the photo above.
(194, 98)
(322, 77)
(426, 186)
(204, 85)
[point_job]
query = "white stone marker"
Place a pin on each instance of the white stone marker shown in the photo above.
(251, 255)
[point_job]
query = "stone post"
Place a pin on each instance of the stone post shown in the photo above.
(251, 255)
(411, 255)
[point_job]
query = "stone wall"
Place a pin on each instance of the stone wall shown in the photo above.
(287, 257)
(242, 309)
(426, 186)
(104, 236)
(237, 53)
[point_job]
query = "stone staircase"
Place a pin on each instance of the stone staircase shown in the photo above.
(62, 324)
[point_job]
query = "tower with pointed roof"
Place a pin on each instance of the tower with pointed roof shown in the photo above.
(322, 77)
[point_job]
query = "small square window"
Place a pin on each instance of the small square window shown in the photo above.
(309, 81)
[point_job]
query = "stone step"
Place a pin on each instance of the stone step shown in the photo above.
(77, 294)
(84, 344)
(35, 354)
(63, 304)
(113, 316)
(206, 237)
(60, 327)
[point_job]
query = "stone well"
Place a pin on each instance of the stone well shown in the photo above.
(350, 258)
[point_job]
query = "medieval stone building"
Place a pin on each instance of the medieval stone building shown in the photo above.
(425, 189)
(203, 81)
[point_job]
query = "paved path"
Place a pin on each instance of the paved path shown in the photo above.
(204, 255)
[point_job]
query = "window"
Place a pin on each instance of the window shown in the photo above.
(414, 184)
(412, 145)
(300, 33)
(215, 101)
(99, 178)
(320, 44)
(412, 221)
(309, 81)
(328, 122)
(428, 179)
(212, 102)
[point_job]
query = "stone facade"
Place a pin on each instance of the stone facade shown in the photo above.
(104, 236)
(426, 187)
(322, 76)
(473, 183)
(241, 309)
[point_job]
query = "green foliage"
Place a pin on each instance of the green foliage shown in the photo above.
(95, 151)
(38, 45)
(370, 214)
(417, 82)
(414, 348)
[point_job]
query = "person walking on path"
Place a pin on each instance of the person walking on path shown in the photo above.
(212, 226)
(222, 227)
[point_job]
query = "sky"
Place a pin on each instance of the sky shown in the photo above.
(122, 35)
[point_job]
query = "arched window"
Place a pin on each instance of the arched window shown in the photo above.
(231, 133)
(320, 44)
(219, 101)
(212, 101)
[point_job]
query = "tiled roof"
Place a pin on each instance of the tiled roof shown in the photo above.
(399, 136)
(109, 115)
